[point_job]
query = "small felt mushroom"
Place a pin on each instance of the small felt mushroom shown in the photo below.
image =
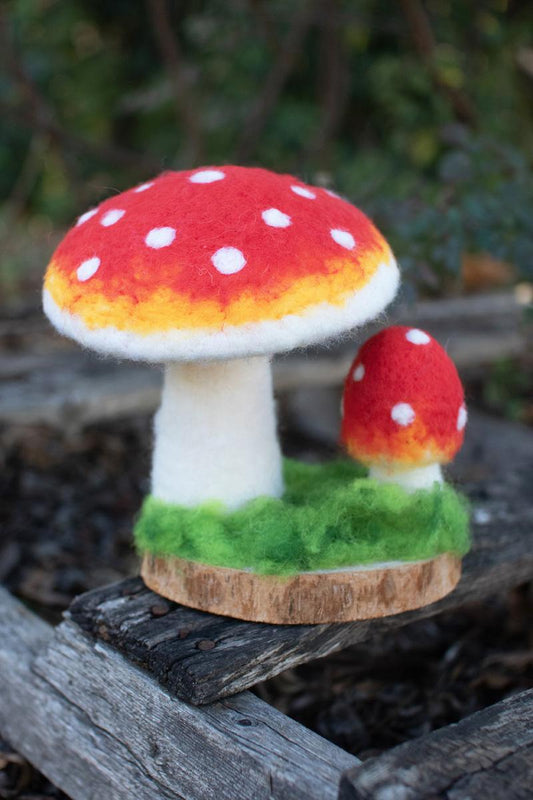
(403, 408)
(210, 272)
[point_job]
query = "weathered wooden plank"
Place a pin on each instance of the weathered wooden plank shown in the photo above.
(202, 657)
(476, 330)
(487, 755)
(98, 727)
(74, 388)
(54, 385)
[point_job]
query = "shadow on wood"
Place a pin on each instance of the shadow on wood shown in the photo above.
(166, 639)
(487, 755)
(97, 726)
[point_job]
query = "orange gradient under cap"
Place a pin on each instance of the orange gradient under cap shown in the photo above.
(217, 262)
(403, 401)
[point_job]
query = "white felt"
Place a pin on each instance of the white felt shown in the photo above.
(87, 269)
(403, 414)
(160, 237)
(228, 260)
(410, 479)
(143, 187)
(215, 434)
(416, 336)
(112, 216)
(462, 416)
(86, 216)
(359, 372)
(207, 176)
(276, 218)
(303, 192)
(344, 238)
(315, 324)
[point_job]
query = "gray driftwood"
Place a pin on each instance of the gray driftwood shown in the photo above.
(61, 386)
(486, 756)
(202, 657)
(98, 727)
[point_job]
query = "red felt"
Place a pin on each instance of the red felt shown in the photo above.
(398, 371)
(225, 213)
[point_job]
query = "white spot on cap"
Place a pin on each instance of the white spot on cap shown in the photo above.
(462, 416)
(416, 336)
(359, 372)
(343, 238)
(276, 218)
(143, 187)
(303, 192)
(86, 216)
(112, 216)
(403, 414)
(228, 260)
(333, 194)
(207, 176)
(160, 237)
(87, 268)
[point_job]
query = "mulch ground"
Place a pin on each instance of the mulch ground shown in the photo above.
(66, 512)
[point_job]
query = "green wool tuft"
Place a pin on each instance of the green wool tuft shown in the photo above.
(330, 516)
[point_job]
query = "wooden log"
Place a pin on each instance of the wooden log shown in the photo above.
(342, 595)
(476, 330)
(496, 468)
(72, 389)
(487, 755)
(58, 384)
(98, 727)
(201, 657)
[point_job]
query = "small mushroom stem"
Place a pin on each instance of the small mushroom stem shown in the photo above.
(215, 434)
(410, 479)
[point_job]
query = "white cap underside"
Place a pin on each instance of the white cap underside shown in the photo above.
(314, 325)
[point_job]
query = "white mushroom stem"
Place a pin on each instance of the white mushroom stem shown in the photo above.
(215, 434)
(410, 479)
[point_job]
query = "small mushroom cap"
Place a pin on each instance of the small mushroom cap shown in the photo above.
(403, 402)
(217, 262)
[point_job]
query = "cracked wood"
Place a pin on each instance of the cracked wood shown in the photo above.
(489, 754)
(496, 469)
(98, 727)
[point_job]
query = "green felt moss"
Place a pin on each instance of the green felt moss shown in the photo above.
(330, 516)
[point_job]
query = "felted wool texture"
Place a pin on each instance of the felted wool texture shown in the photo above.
(403, 401)
(215, 434)
(245, 258)
(312, 326)
(329, 517)
(409, 479)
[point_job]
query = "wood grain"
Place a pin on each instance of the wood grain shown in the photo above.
(487, 755)
(307, 598)
(496, 468)
(245, 653)
(98, 727)
(61, 385)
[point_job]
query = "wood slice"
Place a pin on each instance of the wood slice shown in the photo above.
(341, 595)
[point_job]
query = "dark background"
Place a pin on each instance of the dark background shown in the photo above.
(422, 114)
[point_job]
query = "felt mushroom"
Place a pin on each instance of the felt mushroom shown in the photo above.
(211, 272)
(403, 408)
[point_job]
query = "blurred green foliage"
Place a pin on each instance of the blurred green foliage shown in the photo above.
(508, 389)
(420, 112)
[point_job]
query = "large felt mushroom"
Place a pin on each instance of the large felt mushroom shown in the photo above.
(403, 408)
(210, 272)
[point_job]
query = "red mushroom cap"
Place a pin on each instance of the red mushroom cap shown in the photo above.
(403, 401)
(217, 262)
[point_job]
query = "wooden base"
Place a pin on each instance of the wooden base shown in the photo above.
(341, 595)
